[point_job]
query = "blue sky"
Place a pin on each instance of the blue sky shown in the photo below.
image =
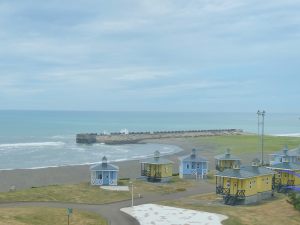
(150, 55)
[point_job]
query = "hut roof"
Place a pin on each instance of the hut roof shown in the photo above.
(287, 152)
(245, 172)
(193, 157)
(158, 161)
(104, 167)
(294, 152)
(227, 156)
(286, 166)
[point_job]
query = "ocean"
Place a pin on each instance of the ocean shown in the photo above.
(36, 139)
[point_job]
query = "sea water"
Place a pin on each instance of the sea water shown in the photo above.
(34, 139)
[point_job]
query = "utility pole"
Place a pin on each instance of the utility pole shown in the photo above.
(261, 136)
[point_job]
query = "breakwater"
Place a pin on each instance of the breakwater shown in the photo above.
(135, 137)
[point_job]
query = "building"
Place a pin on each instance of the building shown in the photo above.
(244, 185)
(193, 166)
(157, 169)
(104, 173)
(287, 174)
(226, 161)
(292, 155)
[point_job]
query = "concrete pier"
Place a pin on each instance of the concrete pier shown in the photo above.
(135, 137)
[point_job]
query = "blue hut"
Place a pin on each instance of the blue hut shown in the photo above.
(292, 156)
(104, 173)
(193, 166)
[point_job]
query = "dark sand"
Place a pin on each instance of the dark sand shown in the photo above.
(27, 178)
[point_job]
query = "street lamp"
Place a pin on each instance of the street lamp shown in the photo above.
(130, 182)
(262, 114)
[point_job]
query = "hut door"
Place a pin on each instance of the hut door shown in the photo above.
(106, 178)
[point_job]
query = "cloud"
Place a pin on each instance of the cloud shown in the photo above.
(194, 88)
(147, 49)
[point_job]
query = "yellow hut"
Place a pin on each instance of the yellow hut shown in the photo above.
(226, 161)
(287, 174)
(244, 185)
(157, 169)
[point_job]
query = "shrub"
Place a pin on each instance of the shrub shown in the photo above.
(180, 189)
(294, 199)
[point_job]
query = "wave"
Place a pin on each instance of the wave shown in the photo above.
(288, 135)
(32, 144)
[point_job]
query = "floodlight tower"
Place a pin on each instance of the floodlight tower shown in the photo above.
(261, 135)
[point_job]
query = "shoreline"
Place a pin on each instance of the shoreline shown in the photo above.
(73, 174)
(27, 178)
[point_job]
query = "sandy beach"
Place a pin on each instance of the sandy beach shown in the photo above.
(27, 178)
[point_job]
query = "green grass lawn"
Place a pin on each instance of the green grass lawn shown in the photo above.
(240, 144)
(85, 193)
(77, 193)
(47, 216)
(175, 185)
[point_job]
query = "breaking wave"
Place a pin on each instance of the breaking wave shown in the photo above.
(32, 144)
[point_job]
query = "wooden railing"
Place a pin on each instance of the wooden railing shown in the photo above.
(290, 183)
(144, 173)
(222, 191)
(240, 194)
(219, 190)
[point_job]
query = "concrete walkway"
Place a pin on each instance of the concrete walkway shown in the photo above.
(112, 211)
(149, 214)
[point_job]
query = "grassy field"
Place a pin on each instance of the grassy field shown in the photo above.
(85, 193)
(47, 216)
(240, 144)
(175, 185)
(77, 193)
(275, 212)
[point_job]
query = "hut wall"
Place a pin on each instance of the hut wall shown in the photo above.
(264, 183)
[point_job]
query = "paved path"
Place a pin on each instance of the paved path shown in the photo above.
(112, 210)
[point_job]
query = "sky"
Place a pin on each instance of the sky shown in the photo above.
(150, 55)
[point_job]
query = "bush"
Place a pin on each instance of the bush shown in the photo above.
(294, 199)
(180, 189)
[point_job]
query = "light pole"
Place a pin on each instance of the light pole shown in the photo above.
(262, 114)
(131, 193)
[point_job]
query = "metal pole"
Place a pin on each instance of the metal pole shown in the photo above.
(68, 219)
(132, 195)
(258, 122)
(262, 137)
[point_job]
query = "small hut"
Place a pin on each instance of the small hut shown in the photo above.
(292, 156)
(244, 185)
(157, 169)
(287, 174)
(226, 161)
(193, 166)
(104, 173)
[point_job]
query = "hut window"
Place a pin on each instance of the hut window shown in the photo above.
(166, 169)
(100, 176)
(187, 166)
(228, 184)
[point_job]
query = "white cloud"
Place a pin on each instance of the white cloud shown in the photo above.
(147, 46)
